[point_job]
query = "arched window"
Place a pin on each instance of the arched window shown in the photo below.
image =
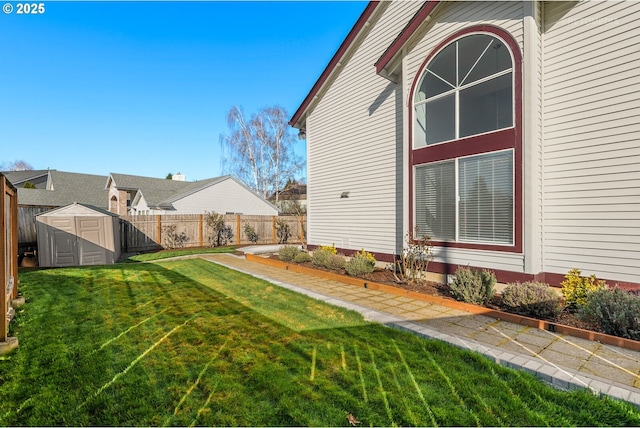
(467, 89)
(464, 143)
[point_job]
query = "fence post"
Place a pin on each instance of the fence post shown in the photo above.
(238, 229)
(273, 230)
(200, 231)
(159, 229)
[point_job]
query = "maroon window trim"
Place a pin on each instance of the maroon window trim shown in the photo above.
(510, 138)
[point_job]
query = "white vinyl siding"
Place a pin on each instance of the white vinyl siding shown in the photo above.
(448, 19)
(591, 130)
(227, 196)
(354, 144)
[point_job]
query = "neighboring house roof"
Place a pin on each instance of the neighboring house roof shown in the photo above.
(159, 195)
(65, 188)
(19, 178)
(295, 192)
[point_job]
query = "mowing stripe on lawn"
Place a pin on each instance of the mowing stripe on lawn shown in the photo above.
(383, 392)
(344, 358)
(452, 387)
(415, 385)
(197, 382)
(134, 362)
(364, 387)
(401, 393)
(126, 331)
(204, 406)
(313, 363)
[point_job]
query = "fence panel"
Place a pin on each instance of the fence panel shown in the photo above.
(152, 232)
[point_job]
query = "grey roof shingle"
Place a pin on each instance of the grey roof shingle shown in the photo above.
(68, 187)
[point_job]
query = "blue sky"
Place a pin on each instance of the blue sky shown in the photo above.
(144, 87)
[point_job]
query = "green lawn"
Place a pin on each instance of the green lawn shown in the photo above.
(189, 343)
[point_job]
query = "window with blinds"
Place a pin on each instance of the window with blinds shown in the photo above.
(467, 199)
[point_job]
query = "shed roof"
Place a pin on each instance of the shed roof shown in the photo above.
(77, 209)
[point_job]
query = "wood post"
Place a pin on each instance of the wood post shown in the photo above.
(274, 233)
(238, 229)
(159, 230)
(200, 230)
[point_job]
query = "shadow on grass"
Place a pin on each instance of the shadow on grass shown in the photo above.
(193, 343)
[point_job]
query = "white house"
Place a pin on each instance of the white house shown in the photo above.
(129, 194)
(507, 131)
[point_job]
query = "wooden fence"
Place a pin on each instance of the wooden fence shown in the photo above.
(152, 232)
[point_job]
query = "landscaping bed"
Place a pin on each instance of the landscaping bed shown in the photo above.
(567, 322)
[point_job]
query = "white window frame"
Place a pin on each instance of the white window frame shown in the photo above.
(456, 91)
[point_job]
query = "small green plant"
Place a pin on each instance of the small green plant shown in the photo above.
(325, 258)
(412, 264)
(221, 233)
(283, 231)
(473, 286)
(250, 233)
(616, 311)
(361, 263)
(288, 253)
(576, 288)
(534, 299)
(302, 257)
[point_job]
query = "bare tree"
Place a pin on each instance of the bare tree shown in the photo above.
(18, 165)
(260, 151)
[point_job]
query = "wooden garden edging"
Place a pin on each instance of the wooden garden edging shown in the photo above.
(474, 309)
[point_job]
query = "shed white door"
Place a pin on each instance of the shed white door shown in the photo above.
(91, 240)
(62, 241)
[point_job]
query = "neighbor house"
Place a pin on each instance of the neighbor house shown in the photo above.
(509, 132)
(134, 195)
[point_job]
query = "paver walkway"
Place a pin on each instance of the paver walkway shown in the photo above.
(564, 361)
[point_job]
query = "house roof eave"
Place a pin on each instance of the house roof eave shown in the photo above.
(388, 63)
(299, 117)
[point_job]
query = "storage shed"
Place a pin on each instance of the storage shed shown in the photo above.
(77, 235)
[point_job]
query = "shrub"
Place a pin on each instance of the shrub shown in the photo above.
(616, 311)
(283, 231)
(361, 263)
(288, 253)
(534, 299)
(473, 286)
(320, 257)
(329, 248)
(173, 239)
(327, 259)
(576, 288)
(412, 264)
(221, 233)
(302, 257)
(250, 233)
(335, 262)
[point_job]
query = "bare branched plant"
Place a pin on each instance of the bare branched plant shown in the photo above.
(412, 264)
